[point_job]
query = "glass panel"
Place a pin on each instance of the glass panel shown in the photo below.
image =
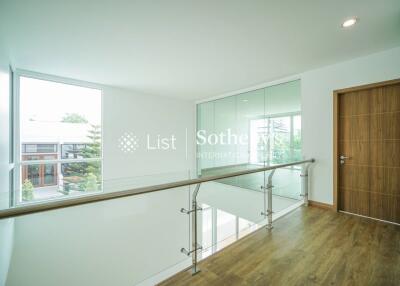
(46, 148)
(283, 98)
(141, 235)
(52, 113)
(297, 155)
(80, 151)
(49, 181)
(30, 148)
(246, 227)
(49, 174)
(67, 151)
(207, 227)
(287, 185)
(259, 141)
(250, 109)
(226, 205)
(81, 177)
(269, 121)
(205, 127)
(279, 140)
(30, 157)
(226, 229)
(33, 174)
(224, 132)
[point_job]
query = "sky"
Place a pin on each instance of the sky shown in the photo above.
(49, 101)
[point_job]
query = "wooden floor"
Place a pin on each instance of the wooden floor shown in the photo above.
(310, 246)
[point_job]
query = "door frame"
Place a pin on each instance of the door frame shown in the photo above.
(336, 94)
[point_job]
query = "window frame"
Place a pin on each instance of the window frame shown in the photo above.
(17, 144)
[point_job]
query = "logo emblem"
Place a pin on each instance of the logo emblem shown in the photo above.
(128, 143)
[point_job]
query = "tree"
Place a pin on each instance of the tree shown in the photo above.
(27, 190)
(88, 173)
(91, 183)
(93, 150)
(74, 118)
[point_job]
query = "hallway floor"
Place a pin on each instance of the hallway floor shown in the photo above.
(310, 246)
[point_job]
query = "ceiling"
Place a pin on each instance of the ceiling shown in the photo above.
(191, 49)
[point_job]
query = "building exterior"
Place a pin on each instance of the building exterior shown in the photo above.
(65, 141)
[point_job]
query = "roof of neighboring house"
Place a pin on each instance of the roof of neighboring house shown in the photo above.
(54, 132)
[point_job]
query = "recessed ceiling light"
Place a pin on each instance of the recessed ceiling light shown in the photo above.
(245, 100)
(349, 22)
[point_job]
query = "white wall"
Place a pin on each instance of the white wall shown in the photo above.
(119, 242)
(143, 115)
(6, 226)
(124, 241)
(317, 104)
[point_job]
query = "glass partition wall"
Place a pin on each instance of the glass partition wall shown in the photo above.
(250, 130)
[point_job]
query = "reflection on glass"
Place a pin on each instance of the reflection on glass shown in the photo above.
(267, 125)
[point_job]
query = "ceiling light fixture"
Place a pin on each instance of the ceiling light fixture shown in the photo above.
(349, 22)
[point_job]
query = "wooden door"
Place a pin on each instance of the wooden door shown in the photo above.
(369, 143)
(40, 175)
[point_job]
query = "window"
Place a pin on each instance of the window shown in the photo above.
(73, 151)
(275, 140)
(59, 139)
(39, 148)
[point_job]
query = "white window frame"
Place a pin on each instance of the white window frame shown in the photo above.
(18, 163)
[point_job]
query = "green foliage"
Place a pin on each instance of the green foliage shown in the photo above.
(88, 173)
(74, 118)
(93, 150)
(27, 190)
(91, 183)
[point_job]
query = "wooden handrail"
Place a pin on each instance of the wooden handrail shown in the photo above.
(82, 200)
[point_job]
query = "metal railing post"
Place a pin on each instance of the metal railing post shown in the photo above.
(195, 245)
(304, 181)
(269, 189)
(194, 231)
(267, 213)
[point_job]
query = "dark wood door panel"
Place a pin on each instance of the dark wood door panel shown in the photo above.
(392, 181)
(369, 134)
(355, 177)
(385, 99)
(355, 103)
(384, 207)
(357, 202)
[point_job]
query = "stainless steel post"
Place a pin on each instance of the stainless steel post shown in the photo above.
(195, 245)
(269, 188)
(304, 182)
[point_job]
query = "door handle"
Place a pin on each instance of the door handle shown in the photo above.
(342, 159)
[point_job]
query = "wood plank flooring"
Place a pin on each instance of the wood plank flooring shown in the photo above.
(310, 246)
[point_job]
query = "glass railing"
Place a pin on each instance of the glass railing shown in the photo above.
(139, 230)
